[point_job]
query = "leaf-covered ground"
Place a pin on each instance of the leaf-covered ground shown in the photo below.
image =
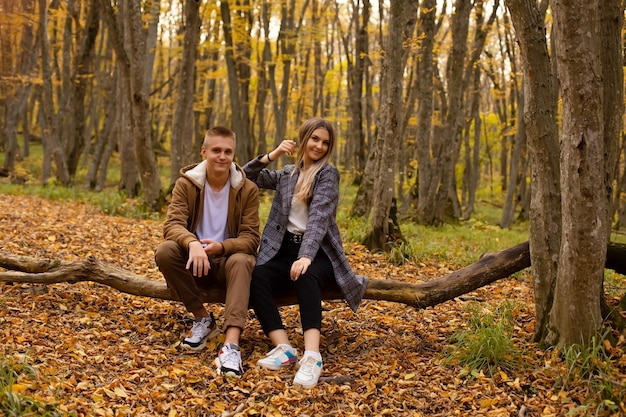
(99, 352)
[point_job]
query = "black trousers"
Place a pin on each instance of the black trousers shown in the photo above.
(273, 277)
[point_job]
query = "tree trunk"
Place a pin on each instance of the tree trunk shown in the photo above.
(82, 72)
(432, 204)
(50, 139)
(540, 120)
(425, 104)
(516, 175)
(104, 138)
(402, 19)
(612, 21)
(576, 315)
(472, 152)
(356, 78)
(17, 99)
(237, 57)
(182, 138)
(134, 70)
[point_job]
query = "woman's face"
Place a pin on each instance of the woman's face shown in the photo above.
(317, 146)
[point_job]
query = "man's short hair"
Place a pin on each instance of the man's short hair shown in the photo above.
(219, 131)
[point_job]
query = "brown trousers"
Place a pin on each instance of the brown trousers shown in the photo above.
(234, 272)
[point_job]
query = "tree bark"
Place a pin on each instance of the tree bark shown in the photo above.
(137, 75)
(50, 134)
(357, 64)
(576, 315)
(182, 138)
(402, 20)
(237, 57)
(18, 94)
(432, 202)
(541, 128)
(612, 21)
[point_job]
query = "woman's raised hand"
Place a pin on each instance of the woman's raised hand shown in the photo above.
(286, 146)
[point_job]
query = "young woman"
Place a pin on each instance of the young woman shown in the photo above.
(301, 248)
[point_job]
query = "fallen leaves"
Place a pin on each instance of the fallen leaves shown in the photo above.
(99, 352)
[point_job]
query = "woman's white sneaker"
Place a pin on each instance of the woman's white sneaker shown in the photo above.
(309, 372)
(281, 355)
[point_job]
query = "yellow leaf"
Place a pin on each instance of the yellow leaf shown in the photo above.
(409, 376)
(83, 385)
(109, 393)
(19, 388)
(488, 403)
(218, 407)
(504, 376)
(172, 413)
(179, 371)
(121, 392)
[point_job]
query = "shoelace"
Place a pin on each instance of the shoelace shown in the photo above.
(197, 328)
(230, 359)
(308, 365)
(277, 351)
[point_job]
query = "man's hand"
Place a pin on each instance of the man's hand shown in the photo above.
(198, 259)
(212, 247)
(299, 267)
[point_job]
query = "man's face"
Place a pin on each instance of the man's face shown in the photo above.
(219, 152)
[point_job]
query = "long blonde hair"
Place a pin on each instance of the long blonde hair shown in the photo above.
(304, 188)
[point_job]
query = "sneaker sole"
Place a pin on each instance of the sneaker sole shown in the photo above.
(305, 386)
(202, 345)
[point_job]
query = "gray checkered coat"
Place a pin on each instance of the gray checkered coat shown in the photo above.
(321, 231)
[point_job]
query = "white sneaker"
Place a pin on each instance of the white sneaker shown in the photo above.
(281, 355)
(228, 361)
(201, 331)
(309, 372)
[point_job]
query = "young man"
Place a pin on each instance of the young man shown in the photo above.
(212, 234)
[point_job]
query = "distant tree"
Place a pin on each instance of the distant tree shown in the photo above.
(52, 149)
(17, 93)
(402, 20)
(237, 38)
(136, 75)
(356, 48)
(182, 149)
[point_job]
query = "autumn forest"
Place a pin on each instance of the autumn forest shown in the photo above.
(438, 105)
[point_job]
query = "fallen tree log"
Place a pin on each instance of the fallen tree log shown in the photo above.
(488, 269)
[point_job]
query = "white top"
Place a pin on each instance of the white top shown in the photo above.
(298, 217)
(213, 221)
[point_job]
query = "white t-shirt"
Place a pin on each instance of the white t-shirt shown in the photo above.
(298, 217)
(213, 221)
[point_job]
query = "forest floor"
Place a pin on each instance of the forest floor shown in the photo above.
(99, 352)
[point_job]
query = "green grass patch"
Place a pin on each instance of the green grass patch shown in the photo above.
(486, 341)
(15, 377)
(592, 365)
